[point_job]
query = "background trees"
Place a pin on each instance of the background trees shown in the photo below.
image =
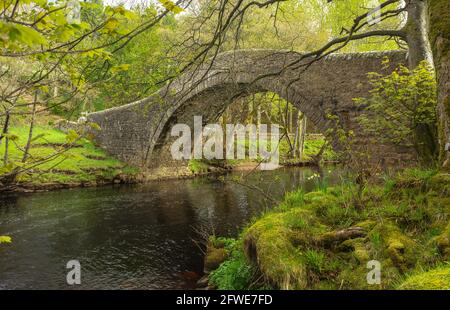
(53, 56)
(56, 59)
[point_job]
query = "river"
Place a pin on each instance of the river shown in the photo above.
(134, 236)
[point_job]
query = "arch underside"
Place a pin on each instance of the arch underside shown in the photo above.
(139, 133)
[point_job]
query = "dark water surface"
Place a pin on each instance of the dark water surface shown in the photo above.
(130, 237)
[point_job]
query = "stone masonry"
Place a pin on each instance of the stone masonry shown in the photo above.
(139, 133)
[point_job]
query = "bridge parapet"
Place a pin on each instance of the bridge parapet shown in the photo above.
(139, 132)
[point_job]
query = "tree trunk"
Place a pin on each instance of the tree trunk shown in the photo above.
(30, 132)
(439, 34)
(258, 115)
(419, 49)
(416, 33)
(297, 133)
(302, 135)
(5, 155)
(5, 126)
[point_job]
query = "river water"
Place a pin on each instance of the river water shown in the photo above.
(131, 237)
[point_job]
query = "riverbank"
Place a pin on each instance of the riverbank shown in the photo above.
(77, 164)
(154, 223)
(332, 237)
(85, 165)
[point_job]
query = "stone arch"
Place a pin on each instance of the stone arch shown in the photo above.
(138, 132)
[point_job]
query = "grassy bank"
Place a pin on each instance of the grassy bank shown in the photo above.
(312, 147)
(325, 239)
(83, 163)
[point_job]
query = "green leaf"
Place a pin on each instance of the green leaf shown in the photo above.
(119, 68)
(11, 136)
(21, 34)
(172, 7)
(111, 24)
(5, 239)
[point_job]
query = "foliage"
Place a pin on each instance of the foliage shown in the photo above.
(235, 273)
(292, 25)
(139, 67)
(197, 166)
(171, 6)
(5, 239)
(401, 109)
(48, 49)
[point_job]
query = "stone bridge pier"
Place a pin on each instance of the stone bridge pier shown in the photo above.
(139, 133)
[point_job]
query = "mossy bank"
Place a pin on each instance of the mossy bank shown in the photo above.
(83, 164)
(60, 164)
(325, 239)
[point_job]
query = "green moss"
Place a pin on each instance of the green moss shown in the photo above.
(80, 164)
(197, 166)
(358, 247)
(407, 229)
(269, 244)
(397, 246)
(320, 201)
(436, 279)
(367, 224)
(441, 183)
(443, 242)
(439, 23)
(214, 257)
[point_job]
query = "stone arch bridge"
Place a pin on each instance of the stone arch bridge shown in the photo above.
(139, 133)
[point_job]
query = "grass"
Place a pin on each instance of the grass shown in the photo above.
(312, 148)
(82, 163)
(234, 274)
(314, 259)
(435, 279)
(405, 225)
(197, 166)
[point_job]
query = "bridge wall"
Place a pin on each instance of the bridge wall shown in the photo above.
(139, 133)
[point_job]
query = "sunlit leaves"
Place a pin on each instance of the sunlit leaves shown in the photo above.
(37, 137)
(120, 11)
(111, 25)
(12, 34)
(40, 3)
(97, 53)
(8, 168)
(172, 7)
(5, 239)
(11, 136)
(119, 68)
(398, 103)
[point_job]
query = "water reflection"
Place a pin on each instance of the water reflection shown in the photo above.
(129, 237)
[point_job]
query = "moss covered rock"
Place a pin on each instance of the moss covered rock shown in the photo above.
(214, 257)
(436, 279)
(324, 239)
(398, 247)
(268, 243)
(358, 247)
